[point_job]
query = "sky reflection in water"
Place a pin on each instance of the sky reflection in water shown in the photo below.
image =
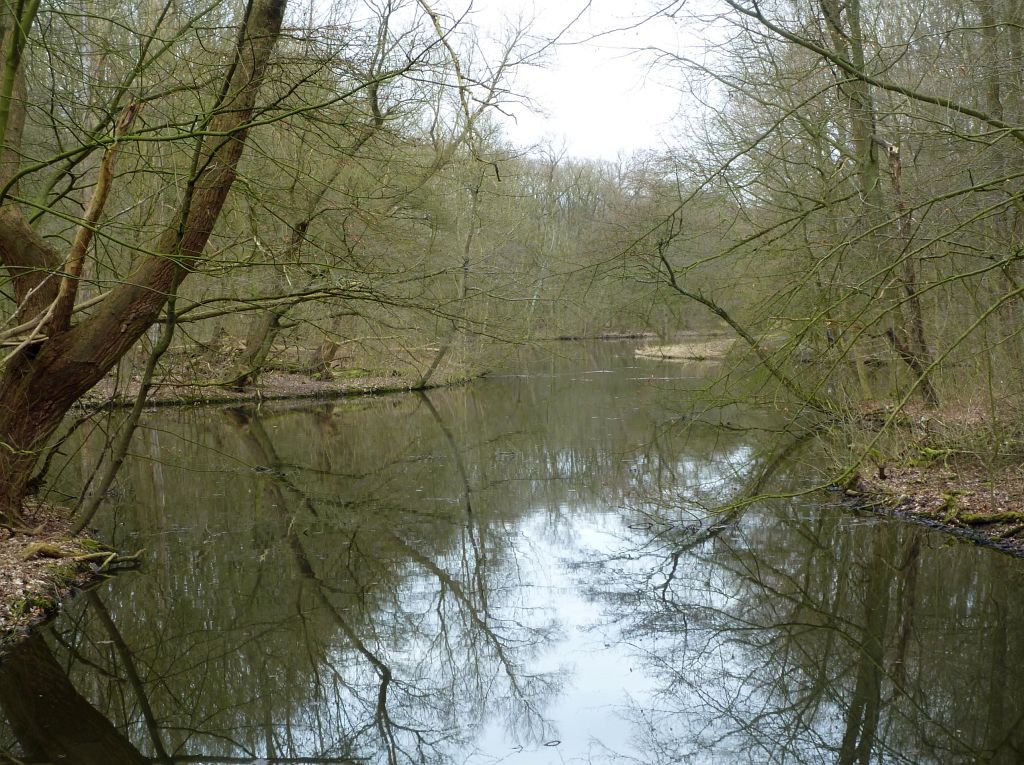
(516, 571)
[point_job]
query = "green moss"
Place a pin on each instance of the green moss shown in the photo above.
(927, 456)
(1009, 516)
(33, 605)
(351, 374)
(950, 506)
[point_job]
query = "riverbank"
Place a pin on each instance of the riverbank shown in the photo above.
(938, 477)
(273, 386)
(953, 468)
(184, 381)
(39, 570)
(954, 493)
(691, 346)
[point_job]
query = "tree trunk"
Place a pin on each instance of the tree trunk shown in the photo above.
(262, 333)
(914, 349)
(43, 380)
(906, 334)
(50, 718)
(848, 42)
(265, 325)
(467, 250)
(324, 355)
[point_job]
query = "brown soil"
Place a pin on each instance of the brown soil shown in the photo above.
(957, 494)
(33, 582)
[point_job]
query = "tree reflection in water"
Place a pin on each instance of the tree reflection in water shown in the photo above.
(365, 635)
(412, 580)
(800, 637)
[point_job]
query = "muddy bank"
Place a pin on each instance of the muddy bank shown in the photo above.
(972, 501)
(39, 570)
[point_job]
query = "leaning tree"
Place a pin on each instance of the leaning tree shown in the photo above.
(62, 345)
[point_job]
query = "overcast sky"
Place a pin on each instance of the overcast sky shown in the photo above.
(597, 96)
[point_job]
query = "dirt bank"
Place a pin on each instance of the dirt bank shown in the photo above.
(38, 570)
(955, 493)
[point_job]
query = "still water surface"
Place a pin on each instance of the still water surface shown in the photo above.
(516, 571)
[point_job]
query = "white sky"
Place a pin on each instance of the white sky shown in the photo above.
(597, 97)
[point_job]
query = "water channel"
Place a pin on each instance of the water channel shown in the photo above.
(520, 570)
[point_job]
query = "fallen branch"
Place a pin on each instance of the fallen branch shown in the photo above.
(55, 551)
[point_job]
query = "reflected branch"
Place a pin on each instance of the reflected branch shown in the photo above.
(128, 662)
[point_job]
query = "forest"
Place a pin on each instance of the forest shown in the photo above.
(202, 198)
(339, 426)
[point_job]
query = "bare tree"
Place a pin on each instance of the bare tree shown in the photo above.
(56, 360)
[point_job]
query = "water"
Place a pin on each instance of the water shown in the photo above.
(515, 571)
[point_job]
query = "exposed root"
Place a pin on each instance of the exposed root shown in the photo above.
(109, 558)
(27, 531)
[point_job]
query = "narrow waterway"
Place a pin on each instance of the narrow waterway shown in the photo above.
(521, 570)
